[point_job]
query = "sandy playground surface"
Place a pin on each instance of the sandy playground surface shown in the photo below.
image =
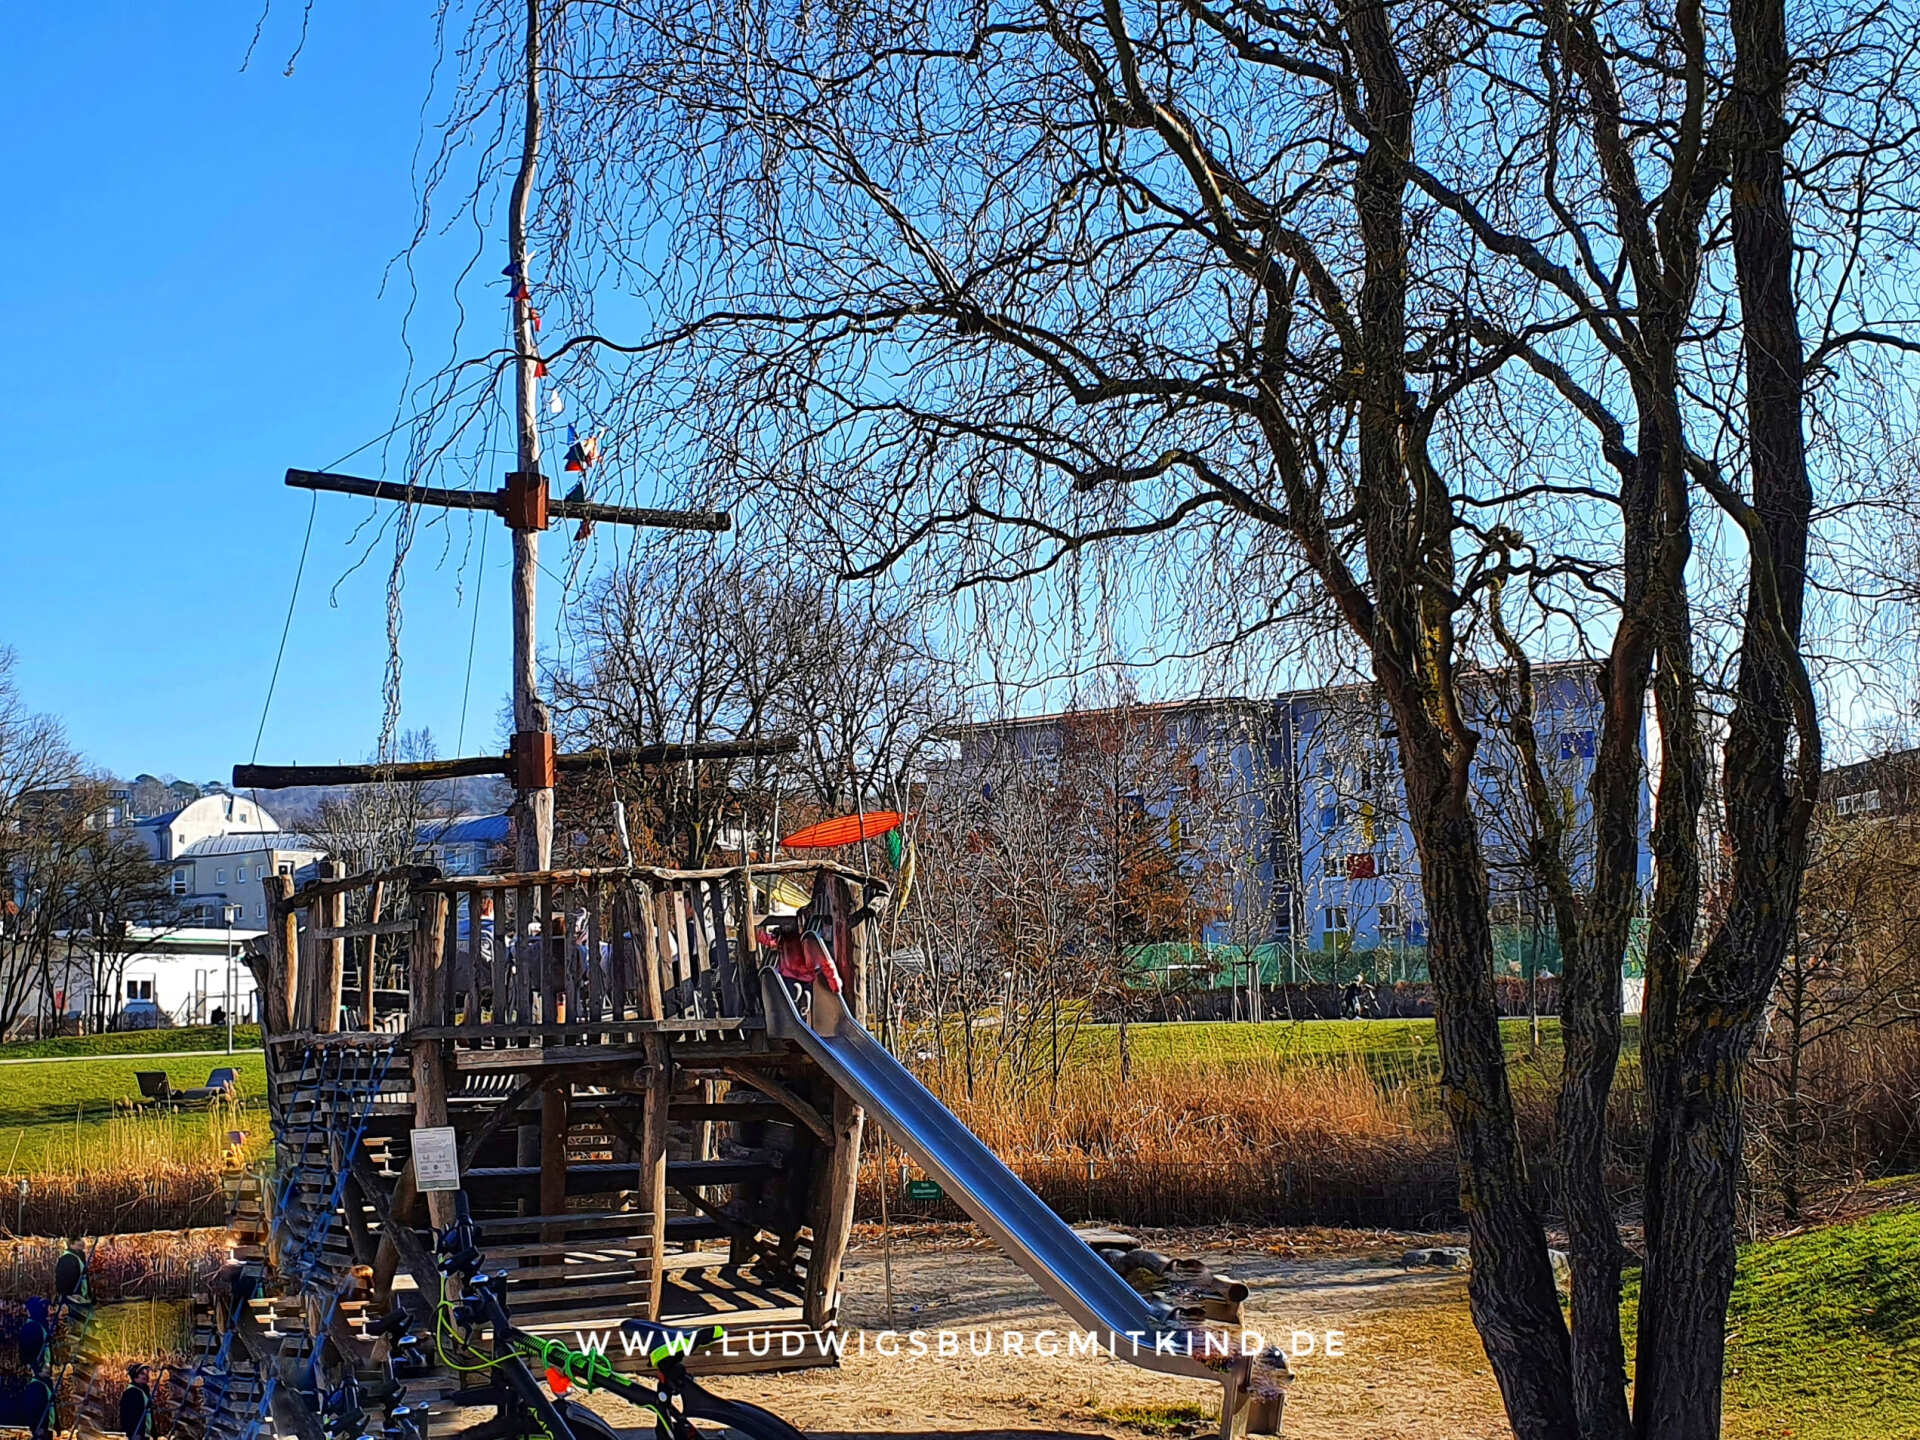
(1412, 1368)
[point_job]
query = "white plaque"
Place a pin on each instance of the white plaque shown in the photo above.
(436, 1158)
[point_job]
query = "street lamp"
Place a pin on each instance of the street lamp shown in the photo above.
(232, 914)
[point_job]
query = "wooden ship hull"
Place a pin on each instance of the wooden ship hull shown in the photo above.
(631, 1140)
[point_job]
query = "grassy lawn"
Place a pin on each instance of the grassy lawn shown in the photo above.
(1403, 1050)
(136, 1042)
(56, 1115)
(1824, 1334)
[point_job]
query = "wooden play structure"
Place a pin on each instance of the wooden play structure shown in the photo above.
(630, 1138)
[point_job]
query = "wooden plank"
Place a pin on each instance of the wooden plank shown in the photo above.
(526, 908)
(770, 1087)
(495, 501)
(726, 981)
(502, 928)
(652, 1004)
(315, 891)
(659, 873)
(330, 953)
(593, 974)
(693, 901)
(655, 1118)
(555, 1005)
(283, 956)
(833, 1214)
(620, 954)
(733, 1112)
(553, 1149)
(374, 911)
(449, 962)
(573, 1219)
(344, 931)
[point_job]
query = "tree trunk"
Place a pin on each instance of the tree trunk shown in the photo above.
(1511, 1292)
(1769, 789)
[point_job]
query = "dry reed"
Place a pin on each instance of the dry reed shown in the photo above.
(1194, 1141)
(135, 1171)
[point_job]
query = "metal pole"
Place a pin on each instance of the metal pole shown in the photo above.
(229, 997)
(1533, 971)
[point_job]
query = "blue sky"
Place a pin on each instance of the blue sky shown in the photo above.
(194, 258)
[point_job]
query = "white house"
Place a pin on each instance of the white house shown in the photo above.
(220, 849)
(185, 975)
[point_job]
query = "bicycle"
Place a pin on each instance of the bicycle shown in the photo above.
(525, 1410)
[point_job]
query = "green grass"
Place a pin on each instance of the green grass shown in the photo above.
(152, 1330)
(1392, 1050)
(1823, 1333)
(1182, 1418)
(135, 1042)
(51, 1110)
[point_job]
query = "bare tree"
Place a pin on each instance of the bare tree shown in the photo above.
(1261, 321)
(688, 645)
(1849, 992)
(385, 824)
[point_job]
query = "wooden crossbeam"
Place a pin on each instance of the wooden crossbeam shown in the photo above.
(495, 502)
(277, 777)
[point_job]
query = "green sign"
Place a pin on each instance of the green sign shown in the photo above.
(925, 1190)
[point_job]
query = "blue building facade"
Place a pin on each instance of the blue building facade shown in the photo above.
(1355, 883)
(1310, 828)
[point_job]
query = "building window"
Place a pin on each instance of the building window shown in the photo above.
(1391, 921)
(219, 877)
(1857, 804)
(1333, 920)
(182, 879)
(260, 910)
(139, 989)
(285, 867)
(240, 875)
(1332, 867)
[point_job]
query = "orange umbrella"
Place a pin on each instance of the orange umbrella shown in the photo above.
(846, 830)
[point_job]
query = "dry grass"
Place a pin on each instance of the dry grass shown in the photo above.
(164, 1265)
(135, 1171)
(1192, 1140)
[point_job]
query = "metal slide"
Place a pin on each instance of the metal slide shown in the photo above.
(1135, 1328)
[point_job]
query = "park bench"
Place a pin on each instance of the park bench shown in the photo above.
(156, 1089)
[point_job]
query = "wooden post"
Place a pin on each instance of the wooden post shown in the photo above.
(533, 805)
(833, 1216)
(283, 957)
(330, 955)
(373, 950)
(427, 964)
(553, 1099)
(653, 1129)
(386, 1255)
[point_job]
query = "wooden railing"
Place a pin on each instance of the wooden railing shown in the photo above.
(574, 949)
(564, 953)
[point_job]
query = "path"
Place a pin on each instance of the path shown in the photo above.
(135, 1055)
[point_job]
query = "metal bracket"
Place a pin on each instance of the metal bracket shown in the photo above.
(523, 503)
(531, 754)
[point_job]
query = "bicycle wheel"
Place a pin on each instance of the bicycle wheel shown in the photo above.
(736, 1415)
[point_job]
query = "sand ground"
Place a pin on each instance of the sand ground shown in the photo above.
(1410, 1369)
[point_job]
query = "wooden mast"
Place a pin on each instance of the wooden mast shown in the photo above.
(532, 723)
